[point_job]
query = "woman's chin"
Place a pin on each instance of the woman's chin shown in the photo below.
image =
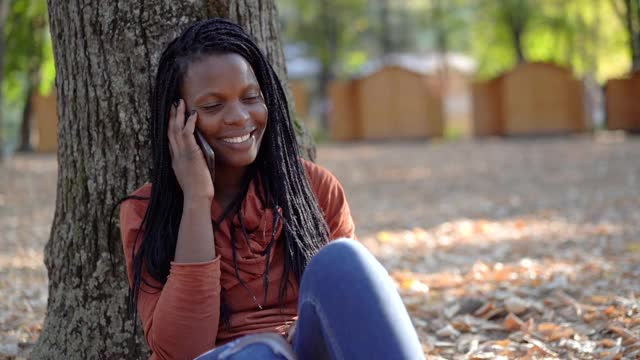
(238, 160)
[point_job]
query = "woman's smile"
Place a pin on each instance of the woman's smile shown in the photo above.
(238, 139)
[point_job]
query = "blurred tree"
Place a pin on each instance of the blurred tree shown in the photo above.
(442, 19)
(27, 44)
(106, 53)
(386, 41)
(581, 34)
(629, 13)
(447, 20)
(396, 26)
(499, 31)
(4, 10)
(516, 15)
(330, 28)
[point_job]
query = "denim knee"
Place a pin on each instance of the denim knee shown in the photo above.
(342, 259)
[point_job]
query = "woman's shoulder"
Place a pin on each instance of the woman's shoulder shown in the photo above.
(318, 175)
(142, 191)
(132, 210)
(323, 183)
(135, 204)
(332, 199)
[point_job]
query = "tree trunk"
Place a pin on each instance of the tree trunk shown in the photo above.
(106, 54)
(634, 33)
(515, 14)
(25, 125)
(330, 55)
(517, 38)
(386, 40)
(4, 11)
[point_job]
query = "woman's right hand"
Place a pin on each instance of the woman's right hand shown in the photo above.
(187, 160)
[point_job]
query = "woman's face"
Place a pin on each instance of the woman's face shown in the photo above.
(232, 114)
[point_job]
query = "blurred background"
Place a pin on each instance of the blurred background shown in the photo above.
(468, 68)
(486, 147)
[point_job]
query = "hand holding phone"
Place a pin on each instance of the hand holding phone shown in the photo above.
(207, 151)
(187, 152)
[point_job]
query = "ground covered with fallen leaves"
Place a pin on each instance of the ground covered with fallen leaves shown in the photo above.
(501, 249)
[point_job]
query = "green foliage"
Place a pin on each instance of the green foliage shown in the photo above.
(47, 67)
(586, 35)
(581, 34)
(330, 28)
(28, 55)
(28, 62)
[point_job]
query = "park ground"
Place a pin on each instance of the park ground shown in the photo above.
(518, 248)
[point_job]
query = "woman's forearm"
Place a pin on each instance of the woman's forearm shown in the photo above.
(195, 236)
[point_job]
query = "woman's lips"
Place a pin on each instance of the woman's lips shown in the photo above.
(243, 142)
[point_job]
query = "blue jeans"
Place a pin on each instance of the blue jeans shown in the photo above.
(348, 309)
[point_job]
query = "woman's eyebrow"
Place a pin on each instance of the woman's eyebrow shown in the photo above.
(217, 94)
(207, 94)
(252, 86)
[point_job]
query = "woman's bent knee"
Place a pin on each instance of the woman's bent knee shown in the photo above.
(342, 259)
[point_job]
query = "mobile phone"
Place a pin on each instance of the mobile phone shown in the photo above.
(209, 155)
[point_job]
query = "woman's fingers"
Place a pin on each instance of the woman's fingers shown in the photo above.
(179, 119)
(178, 124)
(171, 129)
(190, 126)
(181, 132)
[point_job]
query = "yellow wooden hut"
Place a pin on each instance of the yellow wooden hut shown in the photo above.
(300, 93)
(532, 99)
(389, 100)
(487, 108)
(344, 116)
(623, 103)
(398, 103)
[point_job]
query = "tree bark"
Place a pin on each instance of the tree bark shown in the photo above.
(106, 54)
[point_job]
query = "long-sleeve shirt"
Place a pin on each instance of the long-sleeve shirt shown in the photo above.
(182, 319)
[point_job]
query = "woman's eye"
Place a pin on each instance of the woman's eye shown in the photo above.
(211, 107)
(253, 98)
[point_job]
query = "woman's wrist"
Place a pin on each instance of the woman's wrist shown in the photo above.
(197, 200)
(196, 241)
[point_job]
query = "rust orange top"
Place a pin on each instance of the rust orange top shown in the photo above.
(181, 321)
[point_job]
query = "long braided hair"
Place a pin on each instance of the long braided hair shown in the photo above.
(284, 187)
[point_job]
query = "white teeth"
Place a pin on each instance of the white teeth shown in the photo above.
(238, 139)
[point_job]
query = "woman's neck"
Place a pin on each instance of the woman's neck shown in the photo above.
(228, 183)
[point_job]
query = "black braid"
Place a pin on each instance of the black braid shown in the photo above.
(278, 166)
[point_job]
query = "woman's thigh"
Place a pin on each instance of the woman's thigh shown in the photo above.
(350, 309)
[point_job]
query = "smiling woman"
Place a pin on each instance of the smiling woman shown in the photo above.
(205, 253)
(232, 114)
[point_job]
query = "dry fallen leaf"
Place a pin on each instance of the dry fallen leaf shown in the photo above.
(448, 331)
(513, 323)
(516, 305)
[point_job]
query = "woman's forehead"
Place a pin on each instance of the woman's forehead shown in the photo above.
(219, 73)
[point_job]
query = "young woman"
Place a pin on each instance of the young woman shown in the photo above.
(217, 244)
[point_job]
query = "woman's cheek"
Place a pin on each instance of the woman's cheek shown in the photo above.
(261, 112)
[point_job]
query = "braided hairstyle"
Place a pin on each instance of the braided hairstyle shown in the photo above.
(284, 187)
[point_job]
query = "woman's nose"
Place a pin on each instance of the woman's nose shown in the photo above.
(237, 114)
